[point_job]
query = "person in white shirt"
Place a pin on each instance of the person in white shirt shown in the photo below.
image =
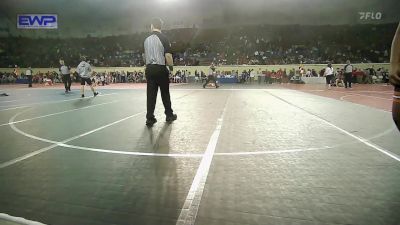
(47, 81)
(28, 74)
(212, 77)
(329, 75)
(252, 75)
(66, 77)
(301, 71)
(85, 71)
(308, 73)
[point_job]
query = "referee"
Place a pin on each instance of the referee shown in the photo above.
(66, 77)
(29, 74)
(348, 74)
(157, 50)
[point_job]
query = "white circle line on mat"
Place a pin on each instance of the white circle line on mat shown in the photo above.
(189, 155)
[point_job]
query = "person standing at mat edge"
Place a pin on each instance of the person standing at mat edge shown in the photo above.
(348, 74)
(395, 76)
(85, 70)
(157, 50)
(66, 77)
(28, 74)
(211, 77)
(329, 75)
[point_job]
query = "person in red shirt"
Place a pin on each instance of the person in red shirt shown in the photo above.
(267, 77)
(359, 74)
(273, 76)
(279, 76)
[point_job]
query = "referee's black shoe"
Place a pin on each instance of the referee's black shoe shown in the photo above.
(171, 118)
(151, 122)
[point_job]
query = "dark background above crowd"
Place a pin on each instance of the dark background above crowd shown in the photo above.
(251, 45)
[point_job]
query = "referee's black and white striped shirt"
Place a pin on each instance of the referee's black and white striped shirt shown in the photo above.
(155, 47)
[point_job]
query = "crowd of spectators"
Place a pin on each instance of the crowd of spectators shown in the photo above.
(98, 78)
(105, 78)
(6, 78)
(39, 77)
(246, 45)
(275, 45)
(295, 75)
(363, 76)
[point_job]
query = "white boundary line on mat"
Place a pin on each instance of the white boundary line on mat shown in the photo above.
(19, 220)
(191, 205)
(176, 155)
(55, 144)
(48, 102)
(173, 155)
(351, 94)
(360, 139)
(57, 113)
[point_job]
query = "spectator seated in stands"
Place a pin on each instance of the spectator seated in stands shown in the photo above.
(359, 75)
(47, 81)
(339, 80)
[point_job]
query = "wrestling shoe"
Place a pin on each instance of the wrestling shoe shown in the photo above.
(151, 122)
(171, 118)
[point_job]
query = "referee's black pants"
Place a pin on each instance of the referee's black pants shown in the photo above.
(157, 76)
(67, 81)
(30, 81)
(347, 79)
